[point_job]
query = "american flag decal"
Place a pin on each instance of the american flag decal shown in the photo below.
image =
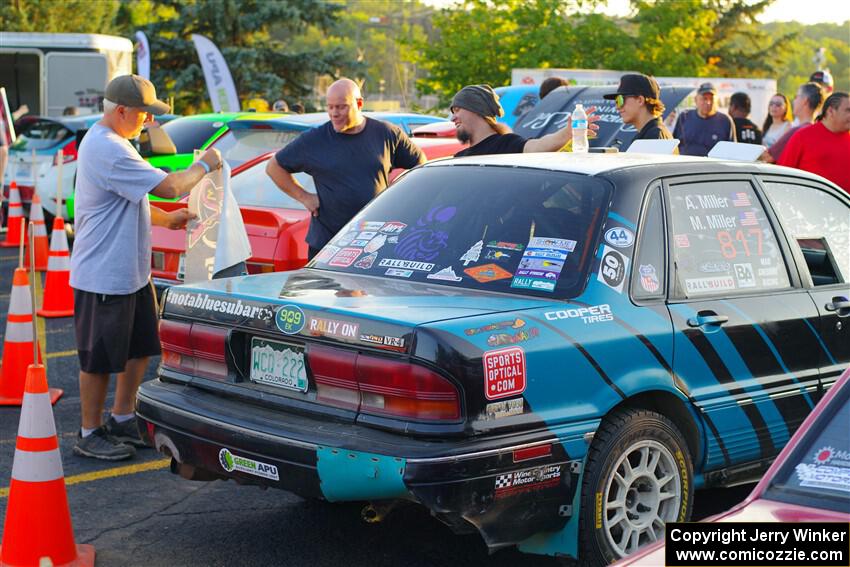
(741, 200)
(748, 218)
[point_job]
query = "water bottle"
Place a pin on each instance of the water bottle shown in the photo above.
(579, 119)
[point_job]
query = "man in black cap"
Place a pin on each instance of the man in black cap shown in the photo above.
(699, 129)
(745, 129)
(114, 310)
(824, 79)
(474, 112)
(638, 101)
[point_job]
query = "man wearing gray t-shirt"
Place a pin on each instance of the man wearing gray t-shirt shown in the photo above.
(114, 310)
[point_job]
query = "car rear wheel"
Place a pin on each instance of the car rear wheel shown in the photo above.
(638, 477)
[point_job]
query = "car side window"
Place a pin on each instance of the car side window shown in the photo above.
(648, 280)
(819, 224)
(722, 241)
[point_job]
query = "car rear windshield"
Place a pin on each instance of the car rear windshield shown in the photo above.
(189, 134)
(253, 187)
(41, 135)
(505, 229)
(241, 146)
(817, 472)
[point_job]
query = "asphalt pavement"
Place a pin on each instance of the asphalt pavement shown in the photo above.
(136, 513)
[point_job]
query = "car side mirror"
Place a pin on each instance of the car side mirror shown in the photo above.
(156, 141)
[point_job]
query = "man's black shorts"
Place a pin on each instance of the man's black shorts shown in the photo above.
(112, 329)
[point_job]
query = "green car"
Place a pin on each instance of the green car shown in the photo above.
(188, 133)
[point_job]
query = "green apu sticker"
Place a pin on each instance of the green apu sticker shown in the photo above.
(290, 319)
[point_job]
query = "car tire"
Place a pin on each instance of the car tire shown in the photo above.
(638, 476)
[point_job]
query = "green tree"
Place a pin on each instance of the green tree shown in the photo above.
(68, 16)
(795, 61)
(261, 65)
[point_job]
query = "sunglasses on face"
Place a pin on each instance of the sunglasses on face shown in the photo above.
(620, 101)
(777, 103)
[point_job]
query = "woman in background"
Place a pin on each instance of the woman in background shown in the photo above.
(778, 119)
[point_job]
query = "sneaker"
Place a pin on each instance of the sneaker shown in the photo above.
(125, 431)
(99, 445)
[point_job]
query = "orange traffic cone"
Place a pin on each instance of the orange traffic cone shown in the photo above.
(38, 521)
(14, 232)
(58, 296)
(18, 345)
(39, 233)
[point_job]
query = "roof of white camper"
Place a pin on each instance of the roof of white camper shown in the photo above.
(64, 40)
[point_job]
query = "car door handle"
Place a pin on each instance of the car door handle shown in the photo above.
(840, 304)
(707, 318)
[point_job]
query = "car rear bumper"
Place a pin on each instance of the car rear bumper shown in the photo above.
(467, 484)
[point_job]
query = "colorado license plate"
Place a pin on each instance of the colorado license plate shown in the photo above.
(278, 364)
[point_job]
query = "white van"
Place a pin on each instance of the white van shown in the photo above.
(52, 71)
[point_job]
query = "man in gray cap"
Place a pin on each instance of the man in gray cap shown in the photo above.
(699, 129)
(475, 109)
(114, 308)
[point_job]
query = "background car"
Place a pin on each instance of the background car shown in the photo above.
(46, 136)
(516, 100)
(185, 134)
(554, 350)
(806, 483)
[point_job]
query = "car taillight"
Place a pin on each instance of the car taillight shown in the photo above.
(69, 152)
(259, 268)
(381, 386)
(193, 348)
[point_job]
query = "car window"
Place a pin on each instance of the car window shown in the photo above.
(810, 215)
(41, 135)
(817, 472)
(240, 146)
(492, 228)
(189, 135)
(722, 241)
(648, 282)
(253, 187)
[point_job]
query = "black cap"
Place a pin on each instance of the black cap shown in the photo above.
(636, 84)
(706, 88)
(822, 77)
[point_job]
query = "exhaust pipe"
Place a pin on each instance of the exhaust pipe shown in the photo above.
(376, 512)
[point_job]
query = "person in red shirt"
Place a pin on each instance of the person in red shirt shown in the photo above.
(824, 147)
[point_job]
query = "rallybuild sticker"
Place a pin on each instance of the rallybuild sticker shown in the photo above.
(708, 285)
(203, 302)
(516, 482)
(504, 372)
(231, 462)
(406, 264)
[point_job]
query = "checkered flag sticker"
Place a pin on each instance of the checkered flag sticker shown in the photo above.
(504, 480)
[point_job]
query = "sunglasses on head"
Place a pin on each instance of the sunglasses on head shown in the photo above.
(620, 101)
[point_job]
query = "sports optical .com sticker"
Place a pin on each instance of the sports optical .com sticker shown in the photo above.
(504, 372)
(231, 462)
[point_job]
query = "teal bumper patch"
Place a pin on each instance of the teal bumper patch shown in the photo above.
(354, 475)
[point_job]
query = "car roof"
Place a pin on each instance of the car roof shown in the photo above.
(604, 163)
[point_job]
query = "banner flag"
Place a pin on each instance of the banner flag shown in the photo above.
(217, 75)
(143, 55)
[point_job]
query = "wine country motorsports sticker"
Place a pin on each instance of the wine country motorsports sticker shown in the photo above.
(512, 483)
(231, 462)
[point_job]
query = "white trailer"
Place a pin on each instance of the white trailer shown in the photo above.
(52, 71)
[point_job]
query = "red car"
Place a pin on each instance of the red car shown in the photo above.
(276, 224)
(808, 481)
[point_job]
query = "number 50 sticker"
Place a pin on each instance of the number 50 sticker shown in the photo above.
(612, 269)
